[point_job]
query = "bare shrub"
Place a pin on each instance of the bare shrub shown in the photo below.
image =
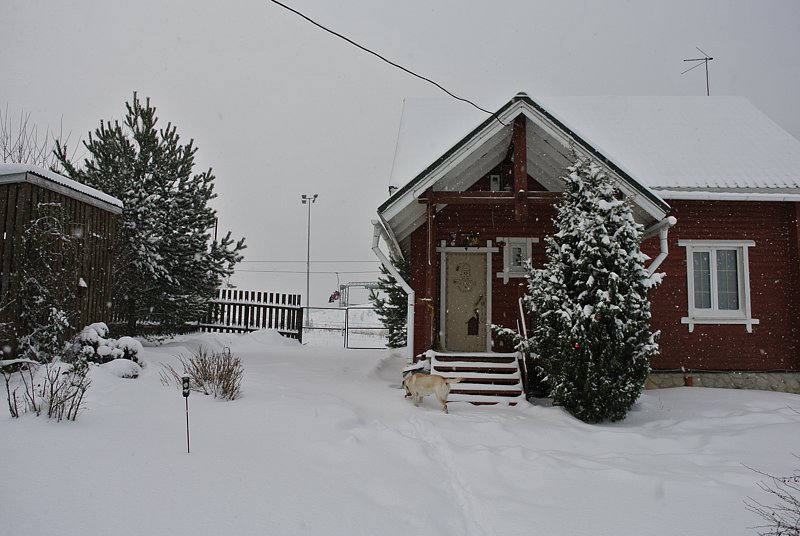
(783, 517)
(64, 390)
(13, 370)
(218, 374)
(56, 389)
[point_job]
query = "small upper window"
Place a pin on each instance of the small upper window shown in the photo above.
(499, 183)
(718, 282)
(516, 253)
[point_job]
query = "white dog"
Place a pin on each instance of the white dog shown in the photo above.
(420, 385)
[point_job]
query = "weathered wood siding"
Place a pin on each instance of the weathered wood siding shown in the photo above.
(19, 205)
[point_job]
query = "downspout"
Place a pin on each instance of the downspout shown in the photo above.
(662, 228)
(377, 232)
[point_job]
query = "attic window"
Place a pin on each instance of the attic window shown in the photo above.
(499, 183)
(718, 282)
(517, 253)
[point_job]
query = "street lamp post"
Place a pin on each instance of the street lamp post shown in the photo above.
(308, 200)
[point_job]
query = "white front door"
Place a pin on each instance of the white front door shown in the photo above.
(466, 302)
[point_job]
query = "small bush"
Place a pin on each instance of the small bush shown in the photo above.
(92, 345)
(218, 374)
(783, 517)
(56, 389)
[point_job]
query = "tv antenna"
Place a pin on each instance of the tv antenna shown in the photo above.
(700, 61)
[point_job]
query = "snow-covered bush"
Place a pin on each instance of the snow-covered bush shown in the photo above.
(212, 373)
(589, 303)
(122, 368)
(92, 345)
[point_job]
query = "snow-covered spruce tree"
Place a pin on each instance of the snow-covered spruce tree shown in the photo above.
(49, 281)
(591, 328)
(393, 309)
(166, 263)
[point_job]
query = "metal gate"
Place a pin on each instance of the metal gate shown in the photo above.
(356, 327)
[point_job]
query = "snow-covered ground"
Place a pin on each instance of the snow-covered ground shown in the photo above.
(323, 442)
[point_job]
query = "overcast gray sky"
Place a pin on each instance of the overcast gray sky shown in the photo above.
(279, 108)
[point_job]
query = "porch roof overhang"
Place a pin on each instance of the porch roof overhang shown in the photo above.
(549, 147)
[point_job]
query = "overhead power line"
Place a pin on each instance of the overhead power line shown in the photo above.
(390, 62)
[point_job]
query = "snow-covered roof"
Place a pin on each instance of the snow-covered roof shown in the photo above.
(475, 153)
(685, 142)
(428, 128)
(22, 172)
(661, 142)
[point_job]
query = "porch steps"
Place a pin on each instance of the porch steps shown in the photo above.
(490, 378)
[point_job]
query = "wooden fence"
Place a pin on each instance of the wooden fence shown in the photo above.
(236, 311)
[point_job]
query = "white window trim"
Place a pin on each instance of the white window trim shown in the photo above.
(509, 241)
(703, 316)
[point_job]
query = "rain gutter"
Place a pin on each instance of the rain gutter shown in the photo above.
(377, 233)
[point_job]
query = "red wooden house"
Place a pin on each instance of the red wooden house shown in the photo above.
(714, 182)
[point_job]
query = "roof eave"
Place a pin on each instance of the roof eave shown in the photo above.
(30, 176)
(407, 195)
(495, 118)
(653, 198)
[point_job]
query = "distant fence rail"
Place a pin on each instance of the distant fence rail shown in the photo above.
(238, 311)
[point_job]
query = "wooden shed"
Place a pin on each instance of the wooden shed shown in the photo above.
(90, 216)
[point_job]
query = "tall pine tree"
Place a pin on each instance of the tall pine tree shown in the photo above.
(393, 308)
(591, 328)
(166, 263)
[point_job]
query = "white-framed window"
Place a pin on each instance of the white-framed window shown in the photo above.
(517, 251)
(499, 183)
(718, 282)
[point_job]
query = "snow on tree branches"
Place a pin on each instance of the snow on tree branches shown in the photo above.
(166, 263)
(393, 309)
(591, 313)
(49, 280)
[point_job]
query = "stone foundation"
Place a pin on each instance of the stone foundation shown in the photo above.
(788, 382)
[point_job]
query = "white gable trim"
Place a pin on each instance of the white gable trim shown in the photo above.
(492, 129)
(407, 200)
